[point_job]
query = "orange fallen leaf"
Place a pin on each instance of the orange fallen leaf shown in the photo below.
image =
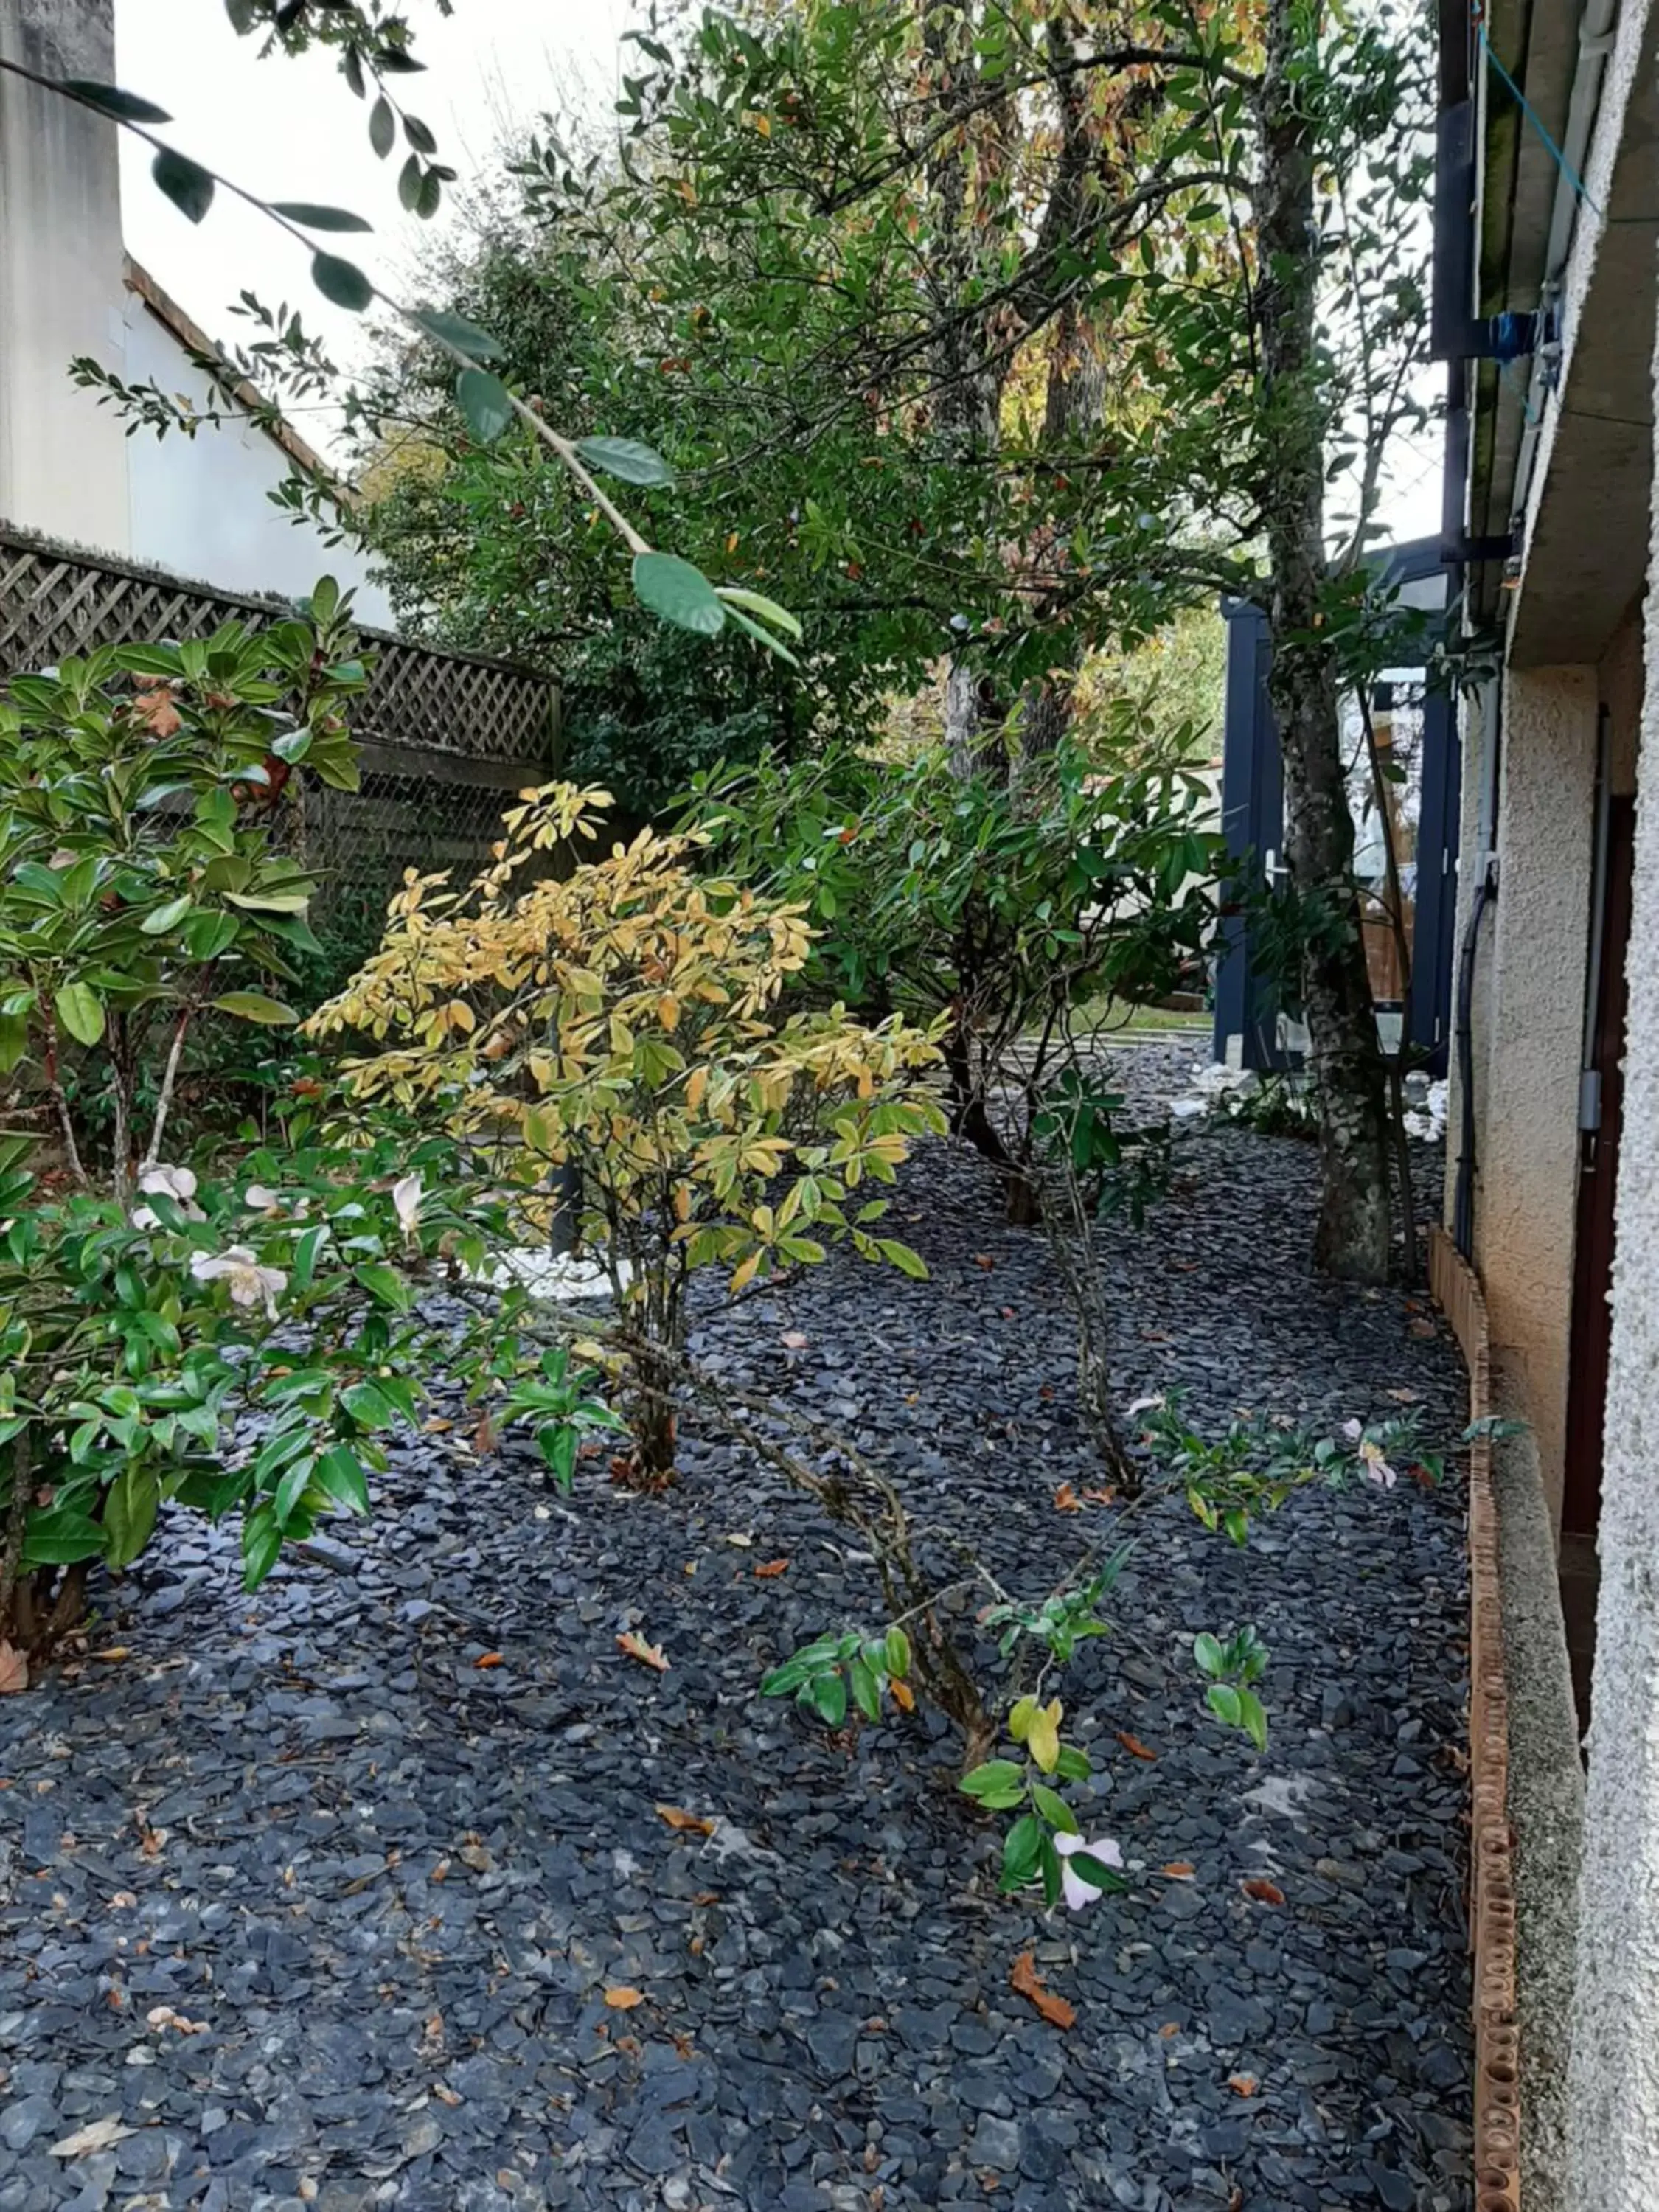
(1170, 2027)
(903, 1696)
(1024, 1980)
(1264, 1892)
(488, 1659)
(1179, 1870)
(1242, 2085)
(1100, 1496)
(14, 1670)
(677, 1817)
(1067, 1499)
(648, 1654)
(771, 1570)
(984, 1260)
(622, 1999)
(1134, 1747)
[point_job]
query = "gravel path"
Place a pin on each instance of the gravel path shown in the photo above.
(323, 1909)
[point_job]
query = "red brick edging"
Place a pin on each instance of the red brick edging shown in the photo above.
(1456, 1290)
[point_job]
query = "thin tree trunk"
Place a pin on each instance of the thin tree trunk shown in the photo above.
(1351, 1238)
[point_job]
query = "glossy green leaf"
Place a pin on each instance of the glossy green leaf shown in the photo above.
(81, 1012)
(382, 127)
(186, 183)
(341, 281)
(126, 106)
(164, 917)
(627, 457)
(340, 1473)
(313, 217)
(756, 602)
(254, 1007)
(676, 592)
(1223, 1701)
(485, 403)
(455, 331)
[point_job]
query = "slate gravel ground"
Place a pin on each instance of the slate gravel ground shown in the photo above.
(323, 1911)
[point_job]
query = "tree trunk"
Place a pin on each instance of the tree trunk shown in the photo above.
(1346, 1060)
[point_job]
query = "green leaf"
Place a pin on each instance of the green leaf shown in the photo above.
(898, 1653)
(485, 402)
(387, 1286)
(455, 331)
(305, 1256)
(760, 635)
(295, 1481)
(627, 457)
(367, 1407)
(1054, 1809)
(866, 1690)
(382, 127)
(1223, 1701)
(1208, 1651)
(254, 1007)
(998, 1784)
(319, 218)
(164, 917)
(124, 106)
(902, 1257)
(676, 592)
(262, 1545)
(81, 1012)
(1073, 1764)
(1096, 1872)
(341, 281)
(756, 602)
(338, 1472)
(1253, 1718)
(60, 1538)
(827, 1694)
(1022, 1850)
(129, 1508)
(186, 183)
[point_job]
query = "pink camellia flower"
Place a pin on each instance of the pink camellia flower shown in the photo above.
(238, 1267)
(1373, 1460)
(1076, 1892)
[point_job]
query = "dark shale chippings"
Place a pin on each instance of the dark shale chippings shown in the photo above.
(319, 1912)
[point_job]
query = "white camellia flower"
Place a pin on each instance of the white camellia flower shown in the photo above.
(1078, 1892)
(1373, 1460)
(406, 1197)
(259, 1200)
(238, 1267)
(177, 1183)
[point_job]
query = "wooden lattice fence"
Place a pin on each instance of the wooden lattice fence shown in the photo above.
(444, 736)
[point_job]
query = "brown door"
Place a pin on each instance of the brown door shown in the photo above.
(1598, 1177)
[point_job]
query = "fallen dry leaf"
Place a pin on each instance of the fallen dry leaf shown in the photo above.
(1405, 1396)
(1170, 2027)
(1024, 1980)
(771, 1570)
(648, 1654)
(477, 1857)
(744, 1543)
(154, 707)
(1179, 1870)
(903, 1696)
(677, 1817)
(1264, 1892)
(1421, 1325)
(1134, 1747)
(97, 2135)
(1100, 1496)
(622, 1999)
(14, 1671)
(165, 2016)
(112, 1653)
(984, 1260)
(488, 1659)
(1242, 2085)
(445, 2094)
(1067, 1499)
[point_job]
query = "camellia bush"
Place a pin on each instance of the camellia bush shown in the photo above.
(614, 1028)
(146, 802)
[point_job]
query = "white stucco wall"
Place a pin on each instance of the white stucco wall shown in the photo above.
(199, 506)
(1526, 1147)
(62, 460)
(1613, 2126)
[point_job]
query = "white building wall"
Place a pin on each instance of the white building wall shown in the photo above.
(199, 506)
(62, 460)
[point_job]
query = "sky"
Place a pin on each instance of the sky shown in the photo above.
(291, 130)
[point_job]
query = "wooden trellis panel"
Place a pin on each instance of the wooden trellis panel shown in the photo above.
(56, 601)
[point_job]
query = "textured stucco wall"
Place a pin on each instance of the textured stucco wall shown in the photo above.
(62, 458)
(1613, 2124)
(1476, 715)
(1527, 1144)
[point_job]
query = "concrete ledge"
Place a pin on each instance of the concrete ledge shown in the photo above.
(1546, 1801)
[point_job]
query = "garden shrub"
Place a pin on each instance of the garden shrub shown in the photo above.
(618, 1022)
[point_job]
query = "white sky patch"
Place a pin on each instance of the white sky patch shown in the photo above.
(292, 130)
